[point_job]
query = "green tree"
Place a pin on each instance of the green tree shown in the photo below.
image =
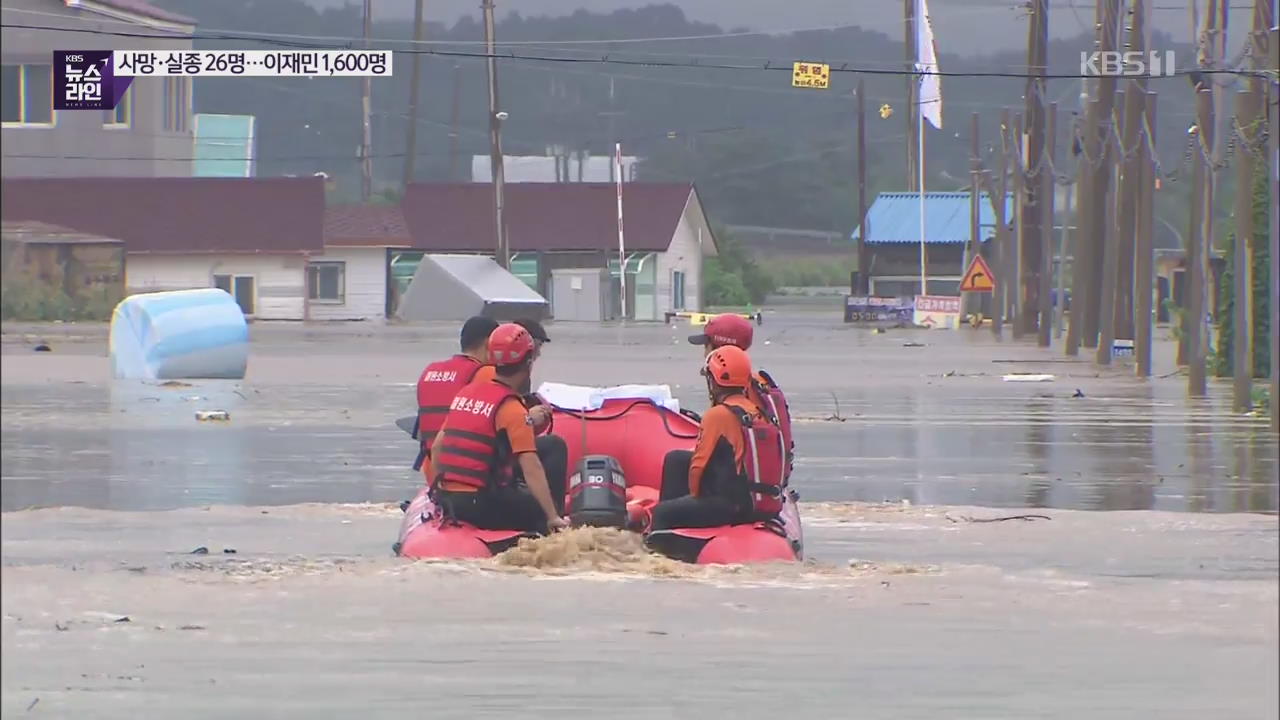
(732, 278)
(1261, 289)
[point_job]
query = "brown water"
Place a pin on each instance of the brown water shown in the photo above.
(932, 424)
(915, 609)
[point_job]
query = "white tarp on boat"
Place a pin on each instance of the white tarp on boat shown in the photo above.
(181, 334)
(583, 397)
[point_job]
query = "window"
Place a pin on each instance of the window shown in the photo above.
(677, 290)
(327, 282)
(239, 287)
(177, 103)
(123, 114)
(28, 95)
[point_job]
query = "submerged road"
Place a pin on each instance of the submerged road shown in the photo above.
(917, 415)
(913, 609)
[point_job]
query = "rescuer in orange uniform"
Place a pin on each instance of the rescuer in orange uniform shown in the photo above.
(490, 471)
(440, 382)
(735, 472)
(736, 331)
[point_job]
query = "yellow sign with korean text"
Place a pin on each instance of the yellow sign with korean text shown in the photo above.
(811, 75)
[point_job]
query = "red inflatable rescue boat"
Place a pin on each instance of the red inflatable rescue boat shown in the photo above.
(636, 435)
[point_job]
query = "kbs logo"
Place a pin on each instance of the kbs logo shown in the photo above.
(1132, 63)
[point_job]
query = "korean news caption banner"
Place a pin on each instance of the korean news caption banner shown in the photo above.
(98, 79)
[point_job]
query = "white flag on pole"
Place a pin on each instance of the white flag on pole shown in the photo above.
(930, 95)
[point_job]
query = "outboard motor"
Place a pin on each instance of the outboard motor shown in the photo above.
(598, 493)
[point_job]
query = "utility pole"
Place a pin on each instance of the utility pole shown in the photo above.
(1098, 145)
(415, 77)
(1014, 299)
(975, 208)
(1144, 255)
(1110, 269)
(1242, 267)
(1118, 280)
(864, 250)
(914, 151)
(453, 125)
(1047, 178)
(1031, 238)
(1130, 165)
(1063, 250)
(496, 117)
(1002, 241)
(1196, 257)
(1081, 247)
(1273, 161)
(366, 111)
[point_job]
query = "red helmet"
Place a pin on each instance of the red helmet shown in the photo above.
(509, 344)
(729, 366)
(726, 329)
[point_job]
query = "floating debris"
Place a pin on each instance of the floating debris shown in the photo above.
(1028, 377)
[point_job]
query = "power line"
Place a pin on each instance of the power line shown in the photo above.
(608, 59)
(972, 10)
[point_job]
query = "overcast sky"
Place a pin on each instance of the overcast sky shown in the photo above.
(961, 26)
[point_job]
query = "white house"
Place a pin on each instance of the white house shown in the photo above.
(249, 236)
(349, 280)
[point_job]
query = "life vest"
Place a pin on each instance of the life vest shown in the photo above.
(763, 464)
(437, 386)
(773, 405)
(472, 451)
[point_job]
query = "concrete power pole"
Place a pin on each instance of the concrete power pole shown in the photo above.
(496, 116)
(864, 250)
(1014, 299)
(1197, 257)
(1130, 163)
(914, 151)
(366, 98)
(1048, 189)
(1004, 286)
(415, 78)
(1242, 269)
(1099, 144)
(1273, 161)
(1144, 254)
(1031, 246)
(975, 208)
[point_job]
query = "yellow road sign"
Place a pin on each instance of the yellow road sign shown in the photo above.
(978, 277)
(811, 75)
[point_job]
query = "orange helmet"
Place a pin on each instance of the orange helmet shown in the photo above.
(728, 366)
(509, 344)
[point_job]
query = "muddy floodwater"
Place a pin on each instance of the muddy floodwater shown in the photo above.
(158, 566)
(917, 416)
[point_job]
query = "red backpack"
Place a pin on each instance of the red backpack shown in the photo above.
(764, 464)
(774, 407)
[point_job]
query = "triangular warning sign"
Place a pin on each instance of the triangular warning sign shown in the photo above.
(978, 277)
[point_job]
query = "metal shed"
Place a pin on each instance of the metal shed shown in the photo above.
(455, 287)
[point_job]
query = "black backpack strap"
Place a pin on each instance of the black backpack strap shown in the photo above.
(743, 416)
